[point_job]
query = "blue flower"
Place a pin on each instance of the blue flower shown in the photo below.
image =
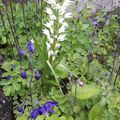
(20, 109)
(8, 77)
(48, 106)
(43, 109)
(37, 75)
(23, 74)
(21, 52)
(30, 47)
(34, 113)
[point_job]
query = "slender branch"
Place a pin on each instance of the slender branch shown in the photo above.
(11, 46)
(16, 45)
(111, 73)
(76, 82)
(41, 16)
(118, 73)
(31, 69)
(14, 27)
(23, 11)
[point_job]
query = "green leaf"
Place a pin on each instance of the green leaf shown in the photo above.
(23, 117)
(7, 90)
(85, 92)
(60, 71)
(3, 40)
(96, 112)
(69, 117)
(85, 26)
(62, 118)
(81, 116)
(42, 117)
(17, 86)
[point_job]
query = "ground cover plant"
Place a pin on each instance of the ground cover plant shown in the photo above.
(59, 65)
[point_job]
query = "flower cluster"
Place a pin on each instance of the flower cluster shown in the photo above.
(56, 26)
(43, 109)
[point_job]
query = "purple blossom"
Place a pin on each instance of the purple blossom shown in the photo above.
(35, 113)
(81, 84)
(21, 52)
(23, 74)
(43, 109)
(8, 77)
(30, 47)
(20, 109)
(37, 75)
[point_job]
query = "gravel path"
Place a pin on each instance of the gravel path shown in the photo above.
(95, 4)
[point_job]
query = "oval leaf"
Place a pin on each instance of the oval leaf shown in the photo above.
(85, 92)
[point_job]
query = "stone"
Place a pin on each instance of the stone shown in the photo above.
(6, 112)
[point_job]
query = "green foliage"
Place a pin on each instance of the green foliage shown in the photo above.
(85, 92)
(96, 112)
(89, 54)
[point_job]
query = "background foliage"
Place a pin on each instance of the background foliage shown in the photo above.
(90, 53)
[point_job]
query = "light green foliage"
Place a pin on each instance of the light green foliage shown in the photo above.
(96, 112)
(85, 92)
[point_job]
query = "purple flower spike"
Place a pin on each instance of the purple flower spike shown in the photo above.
(37, 75)
(23, 74)
(30, 47)
(20, 109)
(21, 52)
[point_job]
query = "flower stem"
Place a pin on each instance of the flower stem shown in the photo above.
(23, 11)
(11, 46)
(16, 45)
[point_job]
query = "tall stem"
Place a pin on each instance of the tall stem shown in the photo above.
(118, 73)
(31, 69)
(16, 45)
(41, 16)
(23, 11)
(11, 46)
(14, 27)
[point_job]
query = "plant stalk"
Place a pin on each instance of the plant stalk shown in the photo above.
(11, 46)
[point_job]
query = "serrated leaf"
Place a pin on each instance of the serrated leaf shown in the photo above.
(17, 86)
